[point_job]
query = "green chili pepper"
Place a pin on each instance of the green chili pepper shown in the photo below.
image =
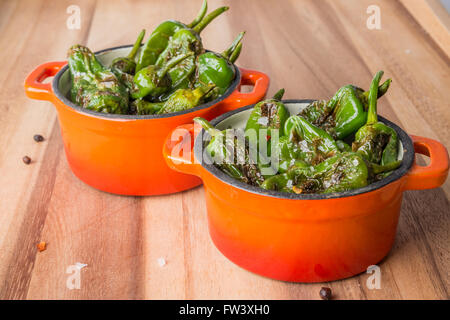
(231, 153)
(375, 141)
(267, 115)
(95, 87)
(162, 36)
(184, 99)
(127, 64)
(154, 80)
(344, 113)
(144, 107)
(213, 68)
(185, 41)
(314, 138)
(342, 172)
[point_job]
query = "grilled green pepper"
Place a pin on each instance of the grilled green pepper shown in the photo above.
(375, 141)
(213, 68)
(182, 42)
(342, 172)
(144, 107)
(154, 80)
(312, 139)
(161, 37)
(184, 99)
(230, 152)
(127, 64)
(269, 115)
(344, 113)
(95, 87)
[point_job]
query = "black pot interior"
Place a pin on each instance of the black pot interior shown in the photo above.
(238, 119)
(61, 86)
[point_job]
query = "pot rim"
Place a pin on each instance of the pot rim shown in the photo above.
(407, 162)
(112, 116)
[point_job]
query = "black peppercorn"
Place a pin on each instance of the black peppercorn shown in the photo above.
(325, 293)
(26, 160)
(38, 138)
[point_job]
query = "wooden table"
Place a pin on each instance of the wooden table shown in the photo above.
(308, 47)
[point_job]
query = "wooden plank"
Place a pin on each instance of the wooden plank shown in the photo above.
(434, 18)
(310, 48)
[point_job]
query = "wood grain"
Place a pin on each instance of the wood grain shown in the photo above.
(308, 47)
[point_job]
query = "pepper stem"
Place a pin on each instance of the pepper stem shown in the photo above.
(200, 15)
(235, 55)
(136, 46)
(279, 95)
(228, 52)
(210, 17)
(207, 126)
(381, 89)
(173, 62)
(373, 96)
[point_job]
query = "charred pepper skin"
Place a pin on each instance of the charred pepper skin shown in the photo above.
(298, 128)
(342, 172)
(185, 41)
(160, 38)
(231, 154)
(344, 113)
(94, 87)
(127, 64)
(154, 80)
(184, 99)
(216, 69)
(375, 141)
(144, 107)
(270, 115)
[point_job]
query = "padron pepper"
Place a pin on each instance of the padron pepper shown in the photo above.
(154, 80)
(315, 142)
(341, 172)
(95, 87)
(127, 64)
(184, 99)
(144, 107)
(160, 37)
(375, 141)
(182, 42)
(229, 151)
(213, 68)
(344, 113)
(270, 116)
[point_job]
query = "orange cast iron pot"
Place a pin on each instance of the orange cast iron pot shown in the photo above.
(122, 153)
(310, 237)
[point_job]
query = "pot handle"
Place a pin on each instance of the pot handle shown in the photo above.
(433, 175)
(34, 88)
(178, 149)
(237, 99)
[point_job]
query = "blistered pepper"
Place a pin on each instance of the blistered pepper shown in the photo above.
(312, 138)
(344, 113)
(184, 99)
(185, 41)
(154, 80)
(144, 107)
(375, 141)
(160, 37)
(95, 87)
(127, 64)
(341, 172)
(213, 68)
(269, 115)
(231, 153)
